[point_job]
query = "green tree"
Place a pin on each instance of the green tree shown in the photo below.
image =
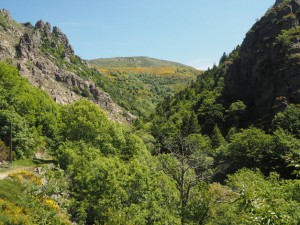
(288, 120)
(109, 190)
(265, 200)
(189, 165)
(4, 152)
(249, 148)
(217, 138)
(236, 111)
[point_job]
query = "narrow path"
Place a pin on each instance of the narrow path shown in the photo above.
(5, 174)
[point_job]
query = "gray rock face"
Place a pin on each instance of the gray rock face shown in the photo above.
(62, 38)
(267, 69)
(5, 13)
(278, 2)
(44, 28)
(38, 58)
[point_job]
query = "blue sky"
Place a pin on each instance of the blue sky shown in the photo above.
(193, 32)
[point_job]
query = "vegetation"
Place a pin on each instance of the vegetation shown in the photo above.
(165, 172)
(139, 89)
(286, 36)
(194, 156)
(24, 199)
(138, 61)
(202, 137)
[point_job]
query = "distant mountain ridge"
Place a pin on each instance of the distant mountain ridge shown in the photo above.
(139, 83)
(135, 61)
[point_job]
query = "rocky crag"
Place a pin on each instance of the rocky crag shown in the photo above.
(266, 72)
(45, 57)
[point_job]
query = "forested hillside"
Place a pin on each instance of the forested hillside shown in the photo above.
(110, 171)
(224, 150)
(239, 124)
(139, 83)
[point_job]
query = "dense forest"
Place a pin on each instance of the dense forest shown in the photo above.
(204, 155)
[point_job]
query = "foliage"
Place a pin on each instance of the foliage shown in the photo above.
(3, 21)
(139, 61)
(19, 205)
(107, 189)
(84, 121)
(4, 152)
(286, 36)
(236, 110)
(106, 172)
(253, 148)
(34, 116)
(217, 139)
(109, 169)
(289, 120)
(265, 200)
(139, 89)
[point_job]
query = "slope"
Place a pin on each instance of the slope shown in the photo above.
(106, 175)
(248, 106)
(139, 83)
(44, 56)
(135, 61)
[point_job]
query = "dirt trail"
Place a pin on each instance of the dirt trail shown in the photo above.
(5, 174)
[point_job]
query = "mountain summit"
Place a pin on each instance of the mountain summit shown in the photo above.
(135, 61)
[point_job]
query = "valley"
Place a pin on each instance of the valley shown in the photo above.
(137, 140)
(139, 83)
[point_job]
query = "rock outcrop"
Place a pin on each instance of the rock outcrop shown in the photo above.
(45, 56)
(267, 70)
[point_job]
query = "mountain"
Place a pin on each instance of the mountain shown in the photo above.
(139, 83)
(44, 56)
(137, 61)
(266, 73)
(224, 150)
(252, 97)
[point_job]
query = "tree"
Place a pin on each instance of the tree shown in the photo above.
(236, 111)
(210, 112)
(253, 148)
(110, 190)
(217, 138)
(265, 200)
(249, 148)
(4, 152)
(288, 120)
(189, 165)
(223, 58)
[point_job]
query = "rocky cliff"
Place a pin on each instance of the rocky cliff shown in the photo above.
(45, 56)
(266, 73)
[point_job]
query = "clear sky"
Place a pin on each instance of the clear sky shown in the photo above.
(193, 32)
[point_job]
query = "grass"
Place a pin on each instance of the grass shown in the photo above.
(286, 36)
(137, 61)
(19, 164)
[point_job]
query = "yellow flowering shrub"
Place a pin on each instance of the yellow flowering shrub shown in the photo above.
(12, 214)
(21, 175)
(50, 203)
